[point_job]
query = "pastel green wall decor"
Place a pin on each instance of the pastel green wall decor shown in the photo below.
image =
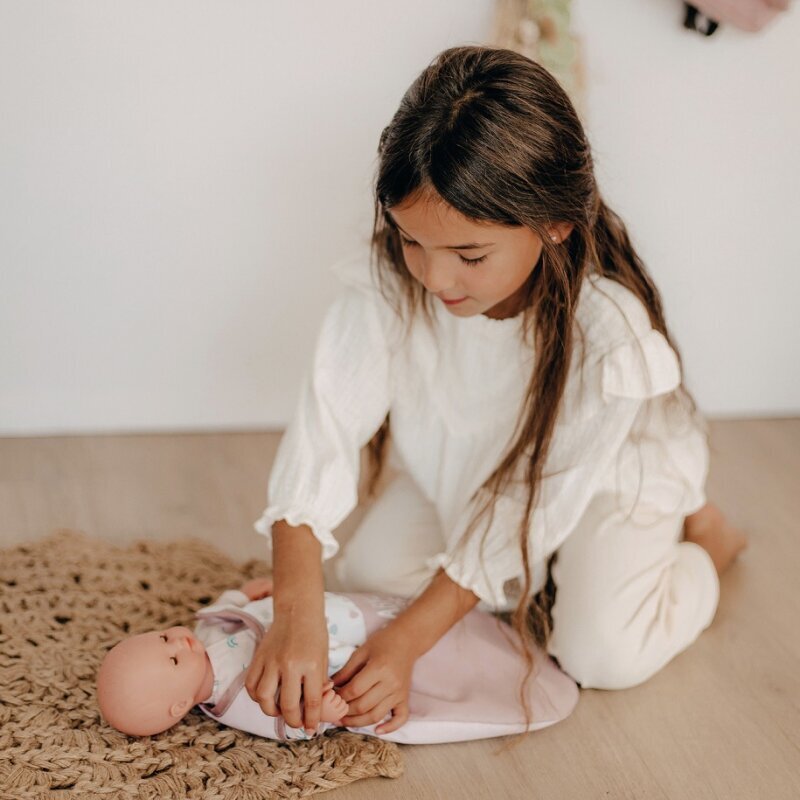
(540, 30)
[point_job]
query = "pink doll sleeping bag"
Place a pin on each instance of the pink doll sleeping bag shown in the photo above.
(465, 687)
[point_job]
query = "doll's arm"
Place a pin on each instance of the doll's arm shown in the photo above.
(208, 629)
(254, 589)
(257, 588)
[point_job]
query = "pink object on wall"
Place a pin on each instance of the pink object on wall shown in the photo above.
(747, 15)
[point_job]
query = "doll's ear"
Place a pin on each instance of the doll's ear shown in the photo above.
(179, 709)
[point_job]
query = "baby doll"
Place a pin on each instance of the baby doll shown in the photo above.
(465, 687)
(150, 681)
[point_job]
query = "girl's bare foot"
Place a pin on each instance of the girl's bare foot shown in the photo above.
(709, 528)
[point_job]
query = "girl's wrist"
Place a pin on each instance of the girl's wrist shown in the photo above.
(308, 602)
(422, 623)
(413, 635)
(300, 597)
(297, 571)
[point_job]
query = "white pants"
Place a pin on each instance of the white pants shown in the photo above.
(629, 596)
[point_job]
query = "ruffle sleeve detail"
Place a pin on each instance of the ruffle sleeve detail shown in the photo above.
(344, 399)
(485, 572)
(641, 368)
(273, 513)
(486, 584)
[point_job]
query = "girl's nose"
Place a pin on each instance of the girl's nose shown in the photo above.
(438, 277)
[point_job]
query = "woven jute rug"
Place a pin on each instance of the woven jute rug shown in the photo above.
(65, 600)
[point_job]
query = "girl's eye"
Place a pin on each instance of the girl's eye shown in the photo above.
(472, 262)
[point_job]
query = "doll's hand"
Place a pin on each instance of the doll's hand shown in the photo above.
(377, 679)
(333, 706)
(257, 588)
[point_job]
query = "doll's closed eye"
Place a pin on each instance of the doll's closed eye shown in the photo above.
(164, 637)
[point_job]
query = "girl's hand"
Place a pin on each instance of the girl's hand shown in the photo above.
(292, 655)
(376, 680)
(257, 588)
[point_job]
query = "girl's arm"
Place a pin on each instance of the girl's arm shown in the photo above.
(378, 674)
(297, 569)
(293, 653)
(434, 612)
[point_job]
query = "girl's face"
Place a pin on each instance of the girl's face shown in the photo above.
(486, 264)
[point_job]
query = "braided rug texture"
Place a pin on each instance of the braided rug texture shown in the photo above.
(65, 600)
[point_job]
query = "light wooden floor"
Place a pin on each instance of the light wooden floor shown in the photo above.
(721, 721)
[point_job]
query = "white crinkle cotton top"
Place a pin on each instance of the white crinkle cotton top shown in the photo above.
(455, 397)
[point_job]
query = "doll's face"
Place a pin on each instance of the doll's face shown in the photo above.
(173, 658)
(148, 682)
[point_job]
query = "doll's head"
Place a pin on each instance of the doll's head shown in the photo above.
(150, 681)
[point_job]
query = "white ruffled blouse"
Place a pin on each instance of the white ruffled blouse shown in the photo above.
(455, 399)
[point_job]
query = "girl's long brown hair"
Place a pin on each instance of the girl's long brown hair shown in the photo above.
(493, 134)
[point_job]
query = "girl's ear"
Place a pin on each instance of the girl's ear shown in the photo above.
(560, 231)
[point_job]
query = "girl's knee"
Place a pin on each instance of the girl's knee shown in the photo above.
(604, 657)
(603, 669)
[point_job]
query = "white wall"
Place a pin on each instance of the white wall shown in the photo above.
(696, 145)
(176, 177)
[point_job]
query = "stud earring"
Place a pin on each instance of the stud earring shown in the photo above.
(554, 238)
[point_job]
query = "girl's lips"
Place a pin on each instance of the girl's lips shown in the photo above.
(452, 302)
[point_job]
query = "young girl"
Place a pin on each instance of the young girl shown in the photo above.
(510, 334)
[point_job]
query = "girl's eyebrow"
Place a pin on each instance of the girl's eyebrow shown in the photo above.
(469, 246)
